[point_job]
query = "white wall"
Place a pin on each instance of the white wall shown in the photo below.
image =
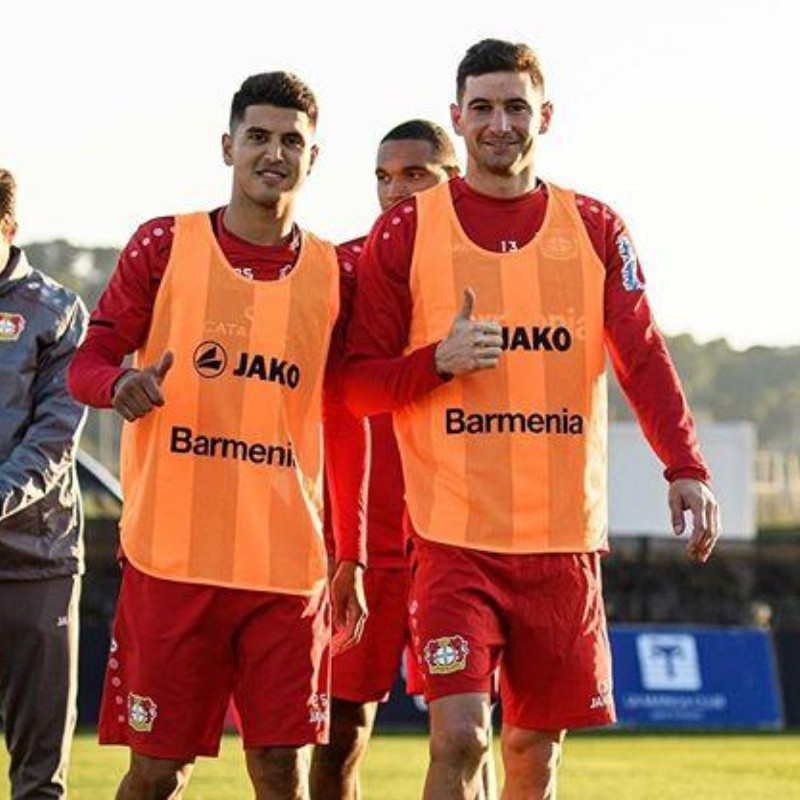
(638, 491)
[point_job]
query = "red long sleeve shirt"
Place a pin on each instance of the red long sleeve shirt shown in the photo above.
(379, 378)
(385, 503)
(120, 323)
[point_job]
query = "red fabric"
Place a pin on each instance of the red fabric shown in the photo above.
(270, 651)
(385, 504)
(365, 673)
(120, 323)
(378, 378)
(541, 614)
(415, 681)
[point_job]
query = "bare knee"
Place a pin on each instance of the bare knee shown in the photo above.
(531, 760)
(351, 728)
(278, 771)
(463, 743)
(459, 732)
(155, 778)
(346, 748)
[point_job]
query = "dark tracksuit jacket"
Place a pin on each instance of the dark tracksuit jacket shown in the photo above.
(41, 551)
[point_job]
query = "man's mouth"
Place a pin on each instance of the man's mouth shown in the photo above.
(271, 174)
(499, 144)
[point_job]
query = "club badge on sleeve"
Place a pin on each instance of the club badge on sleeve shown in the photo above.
(11, 326)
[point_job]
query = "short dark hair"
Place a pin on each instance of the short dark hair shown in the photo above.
(281, 89)
(8, 193)
(496, 55)
(423, 130)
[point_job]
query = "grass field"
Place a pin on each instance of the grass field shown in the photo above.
(596, 767)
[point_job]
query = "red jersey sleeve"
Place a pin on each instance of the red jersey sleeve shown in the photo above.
(346, 438)
(638, 353)
(121, 320)
(378, 377)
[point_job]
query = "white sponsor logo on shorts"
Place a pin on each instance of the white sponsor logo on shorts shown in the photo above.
(318, 708)
(603, 697)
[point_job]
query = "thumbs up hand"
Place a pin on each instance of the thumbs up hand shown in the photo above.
(471, 345)
(138, 391)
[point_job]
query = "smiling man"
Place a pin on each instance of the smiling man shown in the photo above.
(411, 157)
(234, 317)
(481, 316)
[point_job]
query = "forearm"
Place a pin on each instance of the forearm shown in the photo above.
(38, 462)
(376, 385)
(121, 320)
(37, 465)
(94, 372)
(347, 469)
(651, 385)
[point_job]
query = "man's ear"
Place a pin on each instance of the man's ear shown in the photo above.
(227, 148)
(8, 228)
(314, 154)
(547, 116)
(455, 118)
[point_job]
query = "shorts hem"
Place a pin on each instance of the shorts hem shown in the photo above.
(571, 724)
(361, 697)
(431, 696)
(257, 743)
(159, 752)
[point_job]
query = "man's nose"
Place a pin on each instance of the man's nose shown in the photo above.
(273, 150)
(398, 190)
(500, 121)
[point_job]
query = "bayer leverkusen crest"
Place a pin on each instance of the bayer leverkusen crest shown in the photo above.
(11, 326)
(446, 654)
(142, 713)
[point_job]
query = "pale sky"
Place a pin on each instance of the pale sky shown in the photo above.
(680, 115)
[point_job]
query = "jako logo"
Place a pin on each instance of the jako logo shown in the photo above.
(669, 662)
(536, 337)
(210, 359)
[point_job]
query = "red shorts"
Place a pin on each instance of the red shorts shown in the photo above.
(415, 680)
(540, 616)
(180, 651)
(365, 673)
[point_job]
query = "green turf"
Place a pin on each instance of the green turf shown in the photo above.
(596, 767)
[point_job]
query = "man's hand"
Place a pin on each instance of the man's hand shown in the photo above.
(471, 345)
(349, 605)
(687, 494)
(138, 391)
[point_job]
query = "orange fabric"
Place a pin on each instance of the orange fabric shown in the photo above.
(511, 459)
(223, 483)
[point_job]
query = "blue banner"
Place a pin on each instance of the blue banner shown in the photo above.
(682, 677)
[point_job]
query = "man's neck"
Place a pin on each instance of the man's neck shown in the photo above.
(503, 186)
(270, 226)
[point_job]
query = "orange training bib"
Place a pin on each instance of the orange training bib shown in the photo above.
(222, 484)
(511, 459)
